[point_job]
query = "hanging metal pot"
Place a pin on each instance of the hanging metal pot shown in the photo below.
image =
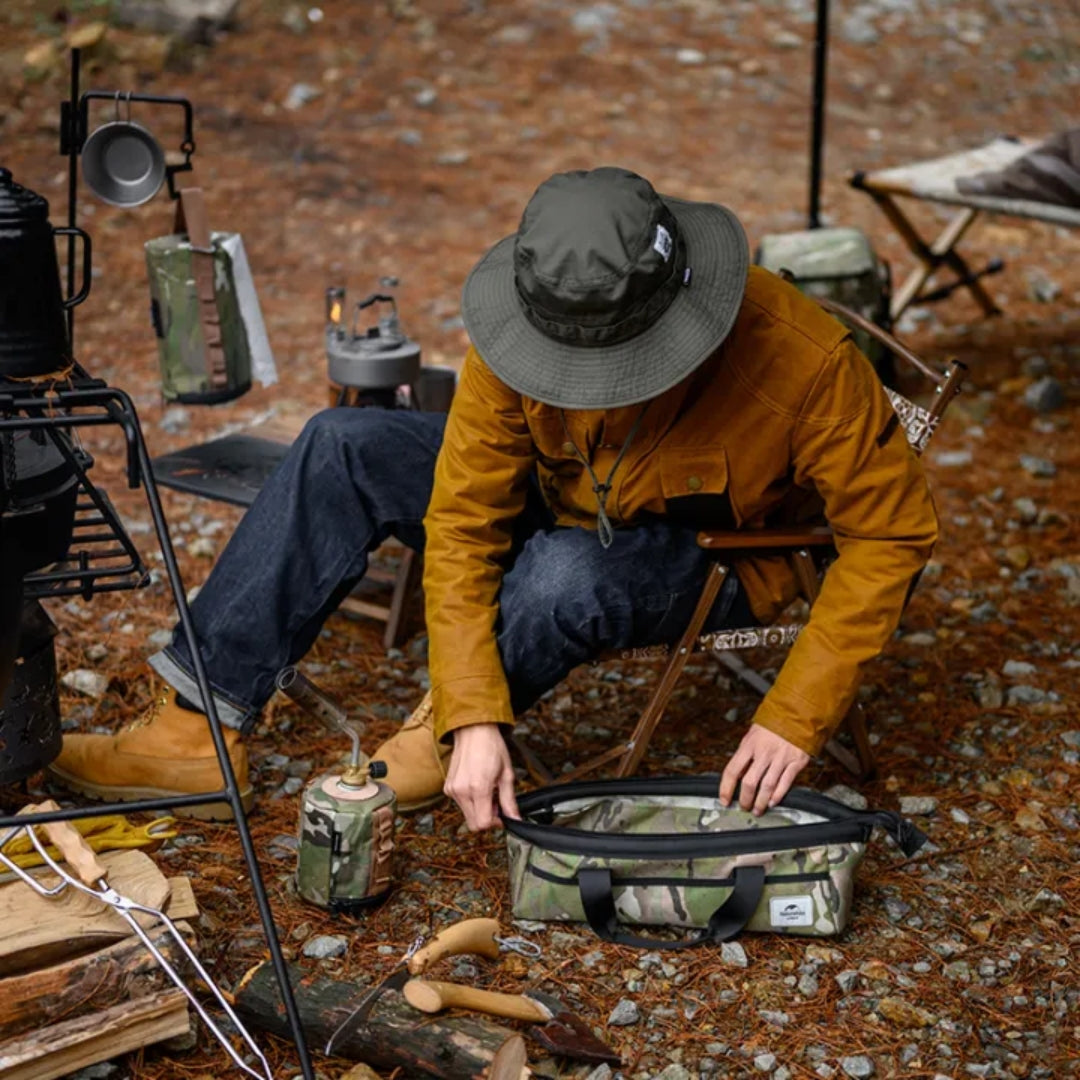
(33, 330)
(122, 162)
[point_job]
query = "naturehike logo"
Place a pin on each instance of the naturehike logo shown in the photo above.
(662, 243)
(791, 911)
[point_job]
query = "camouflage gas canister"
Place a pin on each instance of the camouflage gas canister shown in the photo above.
(346, 841)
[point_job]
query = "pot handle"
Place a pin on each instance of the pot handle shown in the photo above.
(84, 292)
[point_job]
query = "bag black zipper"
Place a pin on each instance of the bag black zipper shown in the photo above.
(845, 825)
(696, 883)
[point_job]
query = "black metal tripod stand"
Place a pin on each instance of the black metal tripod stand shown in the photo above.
(101, 558)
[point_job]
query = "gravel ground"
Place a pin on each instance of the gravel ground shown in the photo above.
(353, 141)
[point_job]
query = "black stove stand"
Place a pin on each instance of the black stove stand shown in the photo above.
(102, 558)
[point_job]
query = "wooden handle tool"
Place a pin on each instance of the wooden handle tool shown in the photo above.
(72, 846)
(510, 1061)
(433, 997)
(475, 936)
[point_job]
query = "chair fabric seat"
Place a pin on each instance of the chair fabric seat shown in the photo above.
(934, 180)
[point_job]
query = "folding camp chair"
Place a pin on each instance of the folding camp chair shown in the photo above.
(935, 181)
(799, 544)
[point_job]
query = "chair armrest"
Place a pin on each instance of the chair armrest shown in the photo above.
(758, 539)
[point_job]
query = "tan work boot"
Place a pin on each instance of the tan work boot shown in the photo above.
(169, 751)
(415, 760)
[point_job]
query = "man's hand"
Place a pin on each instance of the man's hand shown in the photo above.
(480, 777)
(767, 765)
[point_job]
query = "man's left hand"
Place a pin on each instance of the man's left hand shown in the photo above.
(766, 764)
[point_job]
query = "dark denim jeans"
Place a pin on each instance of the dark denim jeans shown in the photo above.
(358, 475)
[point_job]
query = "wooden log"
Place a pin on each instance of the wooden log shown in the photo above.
(395, 1034)
(37, 930)
(89, 983)
(64, 1048)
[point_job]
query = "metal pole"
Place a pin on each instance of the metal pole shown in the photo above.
(817, 135)
(73, 186)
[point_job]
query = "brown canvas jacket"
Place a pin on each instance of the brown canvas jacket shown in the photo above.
(788, 406)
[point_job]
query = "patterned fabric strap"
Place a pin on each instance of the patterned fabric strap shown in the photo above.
(916, 421)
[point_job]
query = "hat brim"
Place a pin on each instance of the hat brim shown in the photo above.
(690, 329)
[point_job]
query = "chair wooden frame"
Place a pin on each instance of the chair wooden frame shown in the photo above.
(799, 544)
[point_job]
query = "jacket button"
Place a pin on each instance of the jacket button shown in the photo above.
(693, 483)
(568, 448)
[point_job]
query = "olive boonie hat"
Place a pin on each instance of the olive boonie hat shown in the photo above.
(608, 294)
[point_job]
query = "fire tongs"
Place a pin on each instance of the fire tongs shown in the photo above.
(93, 880)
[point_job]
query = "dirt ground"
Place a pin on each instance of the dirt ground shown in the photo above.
(354, 141)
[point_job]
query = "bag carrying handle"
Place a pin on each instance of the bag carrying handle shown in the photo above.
(191, 219)
(595, 887)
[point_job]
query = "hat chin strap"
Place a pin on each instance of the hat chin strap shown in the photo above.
(605, 531)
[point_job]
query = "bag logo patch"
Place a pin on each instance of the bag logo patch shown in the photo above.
(791, 911)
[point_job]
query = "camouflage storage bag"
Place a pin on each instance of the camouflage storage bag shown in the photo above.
(664, 852)
(838, 264)
(204, 310)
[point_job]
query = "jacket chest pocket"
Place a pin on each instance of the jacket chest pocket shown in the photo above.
(694, 482)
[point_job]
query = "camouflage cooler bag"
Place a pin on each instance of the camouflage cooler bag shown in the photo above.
(664, 852)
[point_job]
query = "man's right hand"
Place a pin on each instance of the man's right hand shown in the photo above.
(481, 779)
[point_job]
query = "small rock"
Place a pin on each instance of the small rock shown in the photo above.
(733, 954)
(1041, 287)
(84, 681)
(765, 1063)
(1045, 902)
(920, 805)
(808, 985)
(202, 547)
(674, 1071)
(690, 57)
(903, 1014)
(601, 1072)
(325, 947)
(856, 800)
(921, 638)
(1045, 395)
(846, 980)
(159, 639)
(989, 695)
(100, 1071)
(453, 157)
(896, 909)
(1037, 466)
(858, 1066)
(97, 652)
(953, 459)
(1025, 695)
(175, 419)
(786, 39)
(360, 1072)
(1019, 556)
(1029, 819)
(624, 1014)
(1026, 510)
(774, 1016)
(426, 97)
(959, 816)
(299, 95)
(1017, 669)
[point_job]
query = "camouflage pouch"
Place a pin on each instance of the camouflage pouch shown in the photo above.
(837, 264)
(664, 852)
(203, 346)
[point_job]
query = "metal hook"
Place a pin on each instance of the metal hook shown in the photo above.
(519, 945)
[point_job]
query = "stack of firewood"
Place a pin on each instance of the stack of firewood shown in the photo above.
(77, 986)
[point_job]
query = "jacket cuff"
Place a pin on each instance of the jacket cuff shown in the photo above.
(474, 699)
(793, 725)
